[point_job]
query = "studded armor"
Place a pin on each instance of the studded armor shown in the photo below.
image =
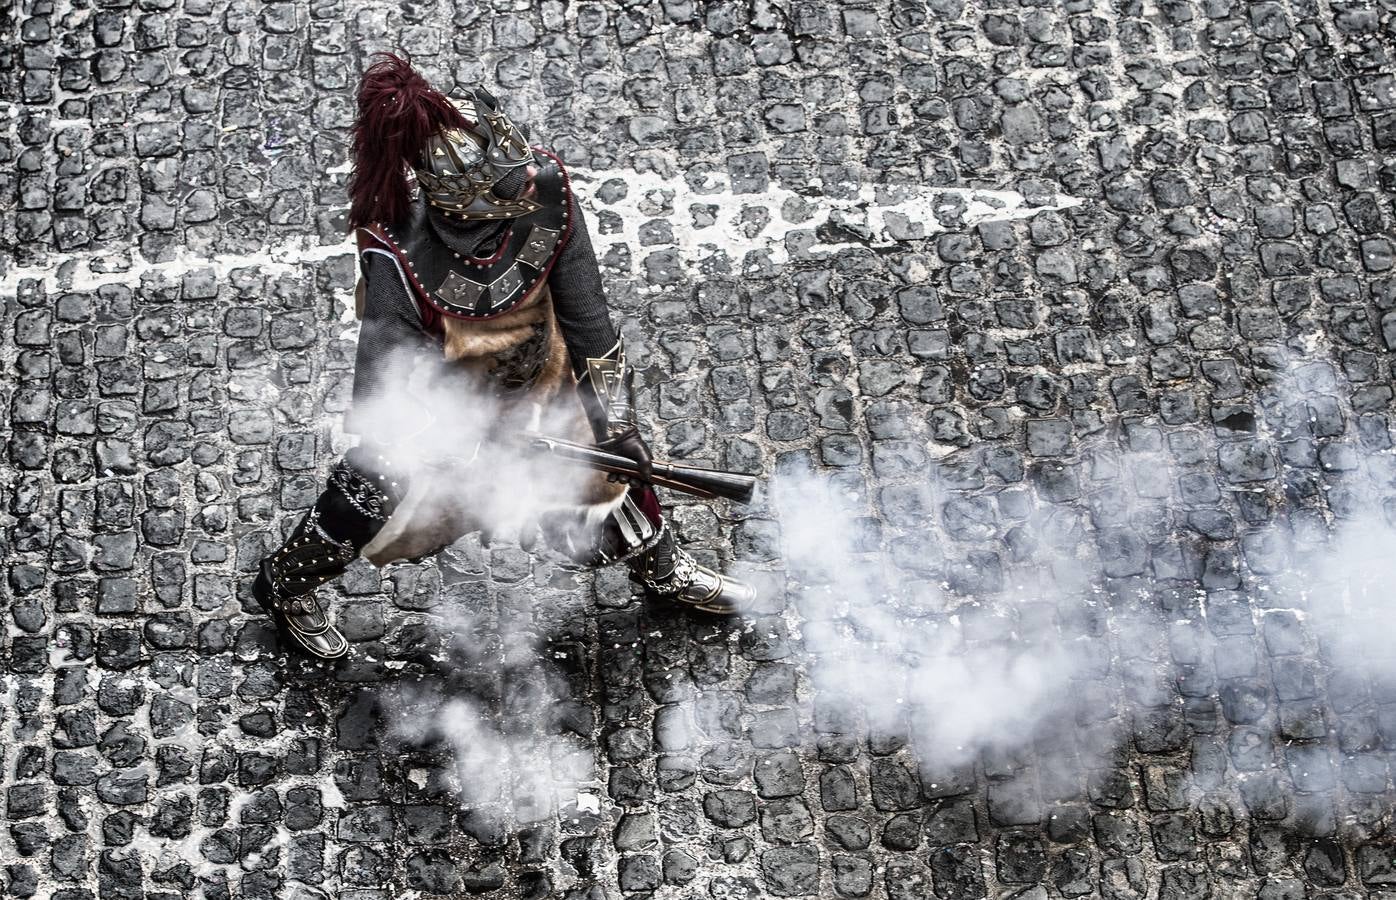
(469, 286)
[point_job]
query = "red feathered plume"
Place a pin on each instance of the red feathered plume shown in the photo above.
(398, 111)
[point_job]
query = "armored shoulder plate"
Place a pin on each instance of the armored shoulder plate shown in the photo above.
(470, 287)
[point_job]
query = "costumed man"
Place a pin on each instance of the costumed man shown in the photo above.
(489, 270)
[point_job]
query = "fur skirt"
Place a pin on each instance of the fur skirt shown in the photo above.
(518, 366)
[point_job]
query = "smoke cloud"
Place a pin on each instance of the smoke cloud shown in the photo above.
(493, 709)
(458, 441)
(1025, 630)
(493, 705)
(906, 659)
(898, 656)
(1111, 616)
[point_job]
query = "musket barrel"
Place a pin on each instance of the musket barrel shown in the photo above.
(690, 479)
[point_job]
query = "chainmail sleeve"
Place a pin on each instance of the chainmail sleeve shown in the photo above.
(579, 301)
(392, 340)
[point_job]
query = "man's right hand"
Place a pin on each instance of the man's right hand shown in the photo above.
(632, 446)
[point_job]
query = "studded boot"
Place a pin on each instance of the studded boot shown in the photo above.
(361, 494)
(286, 583)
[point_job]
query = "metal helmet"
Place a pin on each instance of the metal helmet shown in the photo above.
(459, 168)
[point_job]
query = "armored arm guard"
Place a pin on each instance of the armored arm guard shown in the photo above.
(606, 388)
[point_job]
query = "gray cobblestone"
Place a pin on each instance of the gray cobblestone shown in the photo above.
(1217, 304)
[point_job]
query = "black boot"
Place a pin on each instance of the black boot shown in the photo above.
(363, 489)
(286, 583)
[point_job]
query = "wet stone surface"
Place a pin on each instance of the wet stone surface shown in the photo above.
(1166, 340)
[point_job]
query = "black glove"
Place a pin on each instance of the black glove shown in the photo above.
(629, 444)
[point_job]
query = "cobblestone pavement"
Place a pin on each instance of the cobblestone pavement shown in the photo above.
(1152, 307)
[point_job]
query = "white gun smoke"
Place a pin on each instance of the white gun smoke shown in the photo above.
(1002, 676)
(460, 446)
(492, 699)
(890, 648)
(875, 651)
